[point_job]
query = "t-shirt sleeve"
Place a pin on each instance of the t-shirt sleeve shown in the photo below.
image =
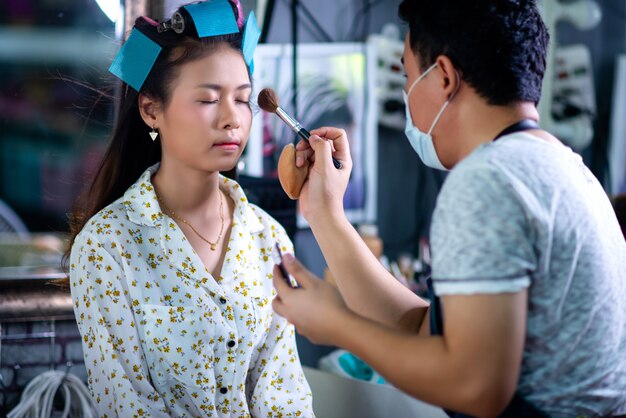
(480, 234)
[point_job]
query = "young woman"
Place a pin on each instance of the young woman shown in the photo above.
(171, 267)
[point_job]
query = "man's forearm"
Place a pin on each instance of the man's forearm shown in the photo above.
(365, 285)
(424, 367)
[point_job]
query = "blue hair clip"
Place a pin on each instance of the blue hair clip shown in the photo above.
(210, 18)
(213, 18)
(135, 59)
(251, 35)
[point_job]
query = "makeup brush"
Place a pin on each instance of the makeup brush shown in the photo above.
(269, 102)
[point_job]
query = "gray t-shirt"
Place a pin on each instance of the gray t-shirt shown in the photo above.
(525, 213)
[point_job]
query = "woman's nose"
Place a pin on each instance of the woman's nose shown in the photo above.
(229, 117)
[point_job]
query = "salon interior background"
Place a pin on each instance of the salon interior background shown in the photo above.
(50, 135)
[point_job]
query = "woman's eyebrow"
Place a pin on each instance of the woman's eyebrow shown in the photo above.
(219, 87)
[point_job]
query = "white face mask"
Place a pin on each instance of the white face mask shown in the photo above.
(422, 142)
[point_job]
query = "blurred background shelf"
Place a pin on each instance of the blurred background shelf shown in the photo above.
(54, 112)
(23, 45)
(28, 267)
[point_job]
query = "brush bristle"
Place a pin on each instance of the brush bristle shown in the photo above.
(267, 100)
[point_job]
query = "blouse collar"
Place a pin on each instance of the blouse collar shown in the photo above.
(142, 206)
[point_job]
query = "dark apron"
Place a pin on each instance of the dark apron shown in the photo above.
(518, 407)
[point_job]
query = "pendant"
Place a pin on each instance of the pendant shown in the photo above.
(213, 247)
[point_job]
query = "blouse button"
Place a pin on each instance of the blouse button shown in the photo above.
(223, 391)
(222, 300)
(231, 343)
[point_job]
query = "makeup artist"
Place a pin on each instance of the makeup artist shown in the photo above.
(528, 312)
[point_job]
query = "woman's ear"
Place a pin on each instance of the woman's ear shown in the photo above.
(451, 79)
(149, 110)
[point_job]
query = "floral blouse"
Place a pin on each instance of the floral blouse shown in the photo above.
(162, 337)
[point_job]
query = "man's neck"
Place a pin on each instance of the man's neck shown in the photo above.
(482, 123)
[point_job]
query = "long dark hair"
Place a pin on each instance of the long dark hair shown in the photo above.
(130, 151)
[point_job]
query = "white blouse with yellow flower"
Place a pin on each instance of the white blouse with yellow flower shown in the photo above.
(162, 337)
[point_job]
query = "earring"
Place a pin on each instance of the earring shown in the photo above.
(154, 134)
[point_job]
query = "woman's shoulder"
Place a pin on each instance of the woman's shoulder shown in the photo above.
(105, 225)
(137, 202)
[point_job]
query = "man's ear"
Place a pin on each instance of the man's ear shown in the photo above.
(149, 110)
(450, 79)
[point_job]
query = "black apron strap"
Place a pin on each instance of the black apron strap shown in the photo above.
(522, 125)
(435, 316)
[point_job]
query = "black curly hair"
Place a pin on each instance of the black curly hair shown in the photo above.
(499, 46)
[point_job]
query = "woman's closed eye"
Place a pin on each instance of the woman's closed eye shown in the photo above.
(238, 101)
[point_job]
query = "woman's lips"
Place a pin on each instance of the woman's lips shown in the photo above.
(232, 145)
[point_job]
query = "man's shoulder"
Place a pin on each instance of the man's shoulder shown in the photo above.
(518, 164)
(474, 173)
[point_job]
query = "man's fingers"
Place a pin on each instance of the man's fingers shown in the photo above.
(279, 280)
(302, 156)
(338, 138)
(302, 145)
(329, 132)
(303, 152)
(322, 148)
(297, 270)
(278, 306)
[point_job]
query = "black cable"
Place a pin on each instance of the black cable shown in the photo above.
(267, 20)
(294, 45)
(367, 5)
(352, 26)
(311, 24)
(315, 23)
(313, 31)
(366, 19)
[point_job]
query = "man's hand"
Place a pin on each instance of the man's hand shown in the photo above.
(315, 307)
(322, 194)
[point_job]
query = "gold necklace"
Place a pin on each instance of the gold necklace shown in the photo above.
(178, 218)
